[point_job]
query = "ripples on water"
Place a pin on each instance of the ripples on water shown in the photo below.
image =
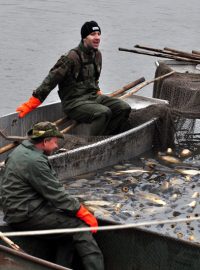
(145, 189)
(35, 33)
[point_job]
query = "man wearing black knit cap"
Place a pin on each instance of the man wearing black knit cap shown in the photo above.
(77, 76)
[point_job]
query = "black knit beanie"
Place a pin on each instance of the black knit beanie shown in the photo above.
(88, 28)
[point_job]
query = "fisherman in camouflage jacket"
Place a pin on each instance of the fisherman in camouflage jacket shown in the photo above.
(34, 199)
(77, 76)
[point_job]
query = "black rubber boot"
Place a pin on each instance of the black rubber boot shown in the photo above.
(93, 262)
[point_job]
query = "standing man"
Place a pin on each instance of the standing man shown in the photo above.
(77, 76)
(34, 199)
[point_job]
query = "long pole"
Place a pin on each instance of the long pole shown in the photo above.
(161, 55)
(196, 52)
(170, 52)
(102, 228)
(182, 53)
(153, 49)
(146, 83)
(126, 87)
(10, 242)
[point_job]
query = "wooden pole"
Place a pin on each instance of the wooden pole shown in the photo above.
(154, 49)
(8, 147)
(161, 55)
(146, 83)
(67, 129)
(196, 52)
(61, 121)
(170, 52)
(10, 243)
(126, 87)
(182, 53)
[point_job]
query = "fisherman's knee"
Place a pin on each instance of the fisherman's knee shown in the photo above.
(125, 109)
(104, 114)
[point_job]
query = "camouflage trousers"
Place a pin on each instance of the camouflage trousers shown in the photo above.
(82, 243)
(107, 115)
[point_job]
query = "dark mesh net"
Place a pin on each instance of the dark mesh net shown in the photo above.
(182, 92)
(74, 141)
(163, 138)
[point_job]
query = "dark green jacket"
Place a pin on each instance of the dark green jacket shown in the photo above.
(76, 74)
(29, 182)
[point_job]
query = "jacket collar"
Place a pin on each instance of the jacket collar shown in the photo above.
(85, 49)
(28, 144)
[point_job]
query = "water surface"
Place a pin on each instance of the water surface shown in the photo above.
(35, 33)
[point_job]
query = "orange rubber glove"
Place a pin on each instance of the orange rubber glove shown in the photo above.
(28, 106)
(87, 217)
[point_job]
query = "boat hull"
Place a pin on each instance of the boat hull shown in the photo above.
(15, 260)
(105, 153)
(127, 244)
(129, 249)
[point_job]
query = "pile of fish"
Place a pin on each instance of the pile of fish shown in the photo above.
(151, 187)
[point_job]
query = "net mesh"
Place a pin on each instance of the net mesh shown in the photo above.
(182, 92)
(163, 137)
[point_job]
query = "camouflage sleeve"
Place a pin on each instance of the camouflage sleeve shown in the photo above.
(55, 76)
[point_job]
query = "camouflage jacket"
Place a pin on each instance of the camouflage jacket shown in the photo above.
(29, 183)
(76, 74)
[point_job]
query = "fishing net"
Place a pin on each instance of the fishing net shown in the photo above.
(182, 90)
(163, 137)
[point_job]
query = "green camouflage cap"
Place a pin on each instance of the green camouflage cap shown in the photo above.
(44, 130)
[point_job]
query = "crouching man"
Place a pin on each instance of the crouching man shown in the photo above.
(34, 199)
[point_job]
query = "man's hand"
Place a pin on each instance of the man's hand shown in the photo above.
(28, 106)
(87, 217)
(99, 92)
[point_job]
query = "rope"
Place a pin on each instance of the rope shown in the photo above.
(100, 228)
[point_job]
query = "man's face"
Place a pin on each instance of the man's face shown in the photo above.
(50, 145)
(92, 40)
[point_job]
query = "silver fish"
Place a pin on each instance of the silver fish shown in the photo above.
(195, 194)
(140, 171)
(188, 171)
(192, 204)
(185, 153)
(97, 203)
(97, 210)
(169, 151)
(152, 197)
(170, 159)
